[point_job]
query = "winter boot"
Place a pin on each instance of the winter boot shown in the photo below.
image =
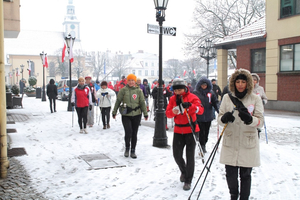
(108, 126)
(104, 126)
(186, 186)
(126, 154)
(85, 131)
(81, 131)
(234, 197)
(132, 154)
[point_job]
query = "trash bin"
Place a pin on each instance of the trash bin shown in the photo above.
(38, 92)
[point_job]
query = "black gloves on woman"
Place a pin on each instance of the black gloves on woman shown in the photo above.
(245, 115)
(227, 117)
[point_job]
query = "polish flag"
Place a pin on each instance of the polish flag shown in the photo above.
(46, 61)
(63, 53)
(17, 72)
(184, 72)
(29, 67)
(71, 53)
(194, 71)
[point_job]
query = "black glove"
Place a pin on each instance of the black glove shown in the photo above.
(227, 117)
(146, 117)
(178, 100)
(245, 115)
(113, 115)
(90, 107)
(72, 104)
(186, 104)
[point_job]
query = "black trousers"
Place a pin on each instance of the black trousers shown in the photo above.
(82, 116)
(105, 115)
(179, 142)
(204, 132)
(131, 126)
(232, 181)
(54, 105)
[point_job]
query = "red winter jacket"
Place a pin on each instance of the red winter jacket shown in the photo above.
(81, 97)
(181, 121)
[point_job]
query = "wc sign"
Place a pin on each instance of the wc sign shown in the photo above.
(154, 29)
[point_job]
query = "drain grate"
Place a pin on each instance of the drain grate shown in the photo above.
(16, 152)
(100, 161)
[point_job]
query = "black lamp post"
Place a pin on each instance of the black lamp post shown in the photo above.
(160, 138)
(70, 43)
(43, 55)
(13, 71)
(22, 70)
(207, 52)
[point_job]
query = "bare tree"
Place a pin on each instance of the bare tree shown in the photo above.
(216, 19)
(173, 69)
(120, 64)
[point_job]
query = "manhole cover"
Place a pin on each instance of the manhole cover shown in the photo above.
(100, 161)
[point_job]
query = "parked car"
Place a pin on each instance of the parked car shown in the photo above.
(63, 88)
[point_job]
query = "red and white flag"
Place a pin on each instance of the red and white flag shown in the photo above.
(184, 72)
(29, 67)
(194, 71)
(63, 53)
(46, 61)
(17, 72)
(71, 52)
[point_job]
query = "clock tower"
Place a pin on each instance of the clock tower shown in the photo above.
(71, 24)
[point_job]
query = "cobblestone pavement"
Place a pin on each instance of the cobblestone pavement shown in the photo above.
(17, 185)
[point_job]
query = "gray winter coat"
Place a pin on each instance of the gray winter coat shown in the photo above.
(258, 90)
(240, 145)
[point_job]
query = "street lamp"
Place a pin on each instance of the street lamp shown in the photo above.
(70, 43)
(160, 138)
(43, 55)
(22, 85)
(207, 52)
(13, 71)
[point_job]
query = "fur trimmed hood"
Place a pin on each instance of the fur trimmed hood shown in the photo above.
(250, 85)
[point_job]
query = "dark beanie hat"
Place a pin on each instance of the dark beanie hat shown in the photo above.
(103, 83)
(178, 83)
(241, 76)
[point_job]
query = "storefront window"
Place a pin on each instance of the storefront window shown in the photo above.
(258, 60)
(290, 57)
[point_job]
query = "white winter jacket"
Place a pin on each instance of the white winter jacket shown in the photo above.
(240, 145)
(105, 101)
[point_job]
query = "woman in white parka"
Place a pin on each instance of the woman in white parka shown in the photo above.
(240, 147)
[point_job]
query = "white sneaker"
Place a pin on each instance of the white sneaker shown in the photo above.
(81, 131)
(85, 131)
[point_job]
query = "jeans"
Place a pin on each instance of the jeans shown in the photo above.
(105, 112)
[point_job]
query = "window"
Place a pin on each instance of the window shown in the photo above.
(258, 60)
(133, 71)
(152, 72)
(289, 8)
(146, 64)
(290, 57)
(140, 72)
(152, 64)
(146, 72)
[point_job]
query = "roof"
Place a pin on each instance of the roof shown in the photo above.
(34, 42)
(254, 30)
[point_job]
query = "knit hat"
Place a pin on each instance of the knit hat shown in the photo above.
(88, 77)
(241, 76)
(178, 83)
(131, 76)
(103, 83)
(212, 80)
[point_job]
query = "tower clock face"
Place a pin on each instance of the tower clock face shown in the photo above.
(72, 26)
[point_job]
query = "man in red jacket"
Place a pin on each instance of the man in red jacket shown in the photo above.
(183, 137)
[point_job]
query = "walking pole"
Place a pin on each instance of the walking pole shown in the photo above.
(97, 111)
(72, 116)
(201, 153)
(209, 162)
(265, 129)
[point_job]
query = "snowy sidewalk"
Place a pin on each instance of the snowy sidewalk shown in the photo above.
(56, 170)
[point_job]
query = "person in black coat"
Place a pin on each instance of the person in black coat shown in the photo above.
(52, 94)
(209, 101)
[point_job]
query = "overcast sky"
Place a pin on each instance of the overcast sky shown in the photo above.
(114, 24)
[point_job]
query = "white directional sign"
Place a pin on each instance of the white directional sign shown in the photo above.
(154, 29)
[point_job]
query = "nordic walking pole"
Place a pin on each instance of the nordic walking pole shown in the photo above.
(72, 116)
(201, 153)
(97, 111)
(210, 159)
(265, 128)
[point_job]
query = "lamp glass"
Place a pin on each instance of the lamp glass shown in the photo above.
(22, 67)
(208, 43)
(213, 51)
(42, 55)
(161, 4)
(201, 49)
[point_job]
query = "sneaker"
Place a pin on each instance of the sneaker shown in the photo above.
(182, 178)
(108, 126)
(126, 154)
(81, 131)
(186, 186)
(104, 126)
(85, 131)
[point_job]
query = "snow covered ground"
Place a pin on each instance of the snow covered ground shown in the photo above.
(54, 146)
